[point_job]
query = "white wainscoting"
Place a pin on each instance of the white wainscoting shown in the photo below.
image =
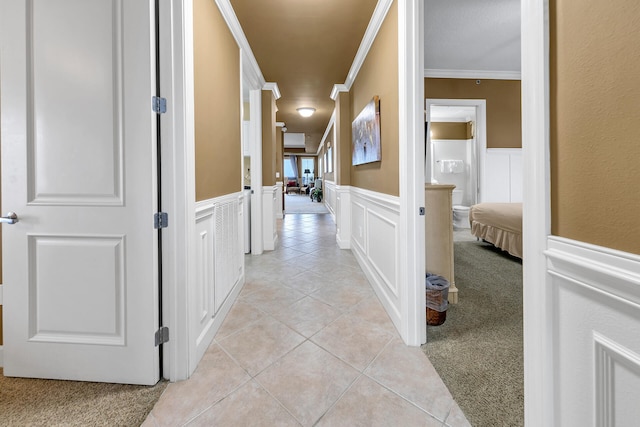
(330, 197)
(595, 328)
(343, 216)
(375, 238)
(503, 175)
(269, 215)
(279, 199)
(219, 267)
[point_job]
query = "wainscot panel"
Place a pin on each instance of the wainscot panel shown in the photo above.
(375, 229)
(330, 197)
(343, 216)
(219, 267)
(595, 323)
(270, 209)
(503, 175)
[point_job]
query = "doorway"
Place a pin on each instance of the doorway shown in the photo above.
(455, 152)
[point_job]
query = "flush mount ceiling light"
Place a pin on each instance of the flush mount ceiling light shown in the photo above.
(306, 111)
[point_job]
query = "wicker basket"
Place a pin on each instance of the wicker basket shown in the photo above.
(436, 318)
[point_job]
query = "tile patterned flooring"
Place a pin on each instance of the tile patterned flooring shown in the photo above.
(308, 343)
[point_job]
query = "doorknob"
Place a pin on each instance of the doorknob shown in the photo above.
(11, 218)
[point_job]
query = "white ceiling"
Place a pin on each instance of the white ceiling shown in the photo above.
(472, 35)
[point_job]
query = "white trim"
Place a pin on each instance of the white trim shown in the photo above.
(337, 89)
(332, 121)
(273, 87)
(255, 135)
(380, 12)
(252, 71)
(179, 181)
(538, 358)
(411, 141)
(607, 270)
(1, 347)
(481, 135)
(472, 74)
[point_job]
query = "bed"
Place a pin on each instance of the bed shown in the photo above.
(499, 224)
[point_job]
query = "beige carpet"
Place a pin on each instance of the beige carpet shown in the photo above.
(34, 402)
(478, 350)
(302, 204)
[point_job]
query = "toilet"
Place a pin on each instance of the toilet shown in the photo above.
(460, 212)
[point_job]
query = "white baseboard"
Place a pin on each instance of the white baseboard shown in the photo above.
(1, 356)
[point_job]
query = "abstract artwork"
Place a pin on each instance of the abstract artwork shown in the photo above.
(365, 131)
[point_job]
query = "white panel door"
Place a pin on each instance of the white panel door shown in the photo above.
(78, 167)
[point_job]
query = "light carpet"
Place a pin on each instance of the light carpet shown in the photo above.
(36, 402)
(302, 204)
(478, 350)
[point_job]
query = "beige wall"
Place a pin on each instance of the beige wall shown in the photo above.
(343, 139)
(218, 146)
(504, 112)
(450, 130)
(268, 138)
(379, 76)
(595, 151)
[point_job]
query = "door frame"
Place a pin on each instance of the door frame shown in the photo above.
(480, 135)
(178, 156)
(538, 360)
(413, 327)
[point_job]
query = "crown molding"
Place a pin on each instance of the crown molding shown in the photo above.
(251, 69)
(472, 74)
(337, 89)
(380, 12)
(273, 87)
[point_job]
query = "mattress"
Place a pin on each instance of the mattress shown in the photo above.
(499, 224)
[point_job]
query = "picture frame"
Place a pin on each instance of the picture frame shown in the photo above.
(366, 136)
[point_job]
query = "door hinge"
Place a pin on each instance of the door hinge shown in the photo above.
(421, 211)
(159, 105)
(160, 220)
(162, 335)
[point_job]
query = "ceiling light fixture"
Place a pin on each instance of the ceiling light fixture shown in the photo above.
(306, 111)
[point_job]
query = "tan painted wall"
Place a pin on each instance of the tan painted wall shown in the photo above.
(379, 76)
(504, 112)
(595, 151)
(343, 139)
(449, 130)
(218, 145)
(268, 138)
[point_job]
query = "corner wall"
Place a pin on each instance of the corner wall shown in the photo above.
(218, 144)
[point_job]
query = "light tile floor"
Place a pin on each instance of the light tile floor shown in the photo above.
(308, 343)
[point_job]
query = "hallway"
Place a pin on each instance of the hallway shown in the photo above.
(308, 343)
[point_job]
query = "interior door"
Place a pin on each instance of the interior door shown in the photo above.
(78, 165)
